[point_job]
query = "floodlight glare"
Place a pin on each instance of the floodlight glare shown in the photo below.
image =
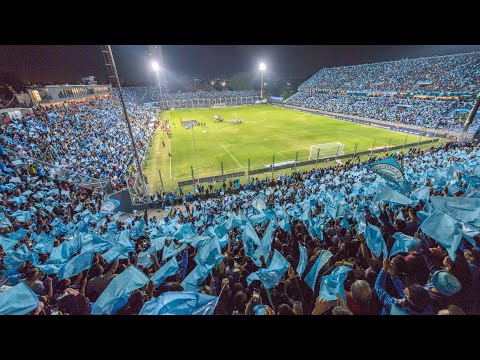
(262, 66)
(155, 66)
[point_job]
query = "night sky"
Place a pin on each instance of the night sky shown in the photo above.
(68, 63)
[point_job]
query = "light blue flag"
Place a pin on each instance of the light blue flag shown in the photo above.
(267, 238)
(60, 228)
(44, 245)
(15, 258)
(389, 195)
(195, 278)
(403, 243)
(18, 300)
(7, 243)
(285, 222)
(158, 242)
(221, 230)
(422, 193)
(345, 223)
(4, 222)
(61, 253)
(121, 249)
(260, 309)
(302, 263)
(22, 216)
(144, 258)
(389, 170)
(375, 242)
(180, 303)
(48, 268)
(172, 250)
(76, 265)
(209, 253)
(443, 229)
(129, 280)
(237, 220)
(336, 211)
(459, 208)
(333, 284)
(256, 219)
(170, 268)
(271, 275)
(322, 259)
(400, 216)
(186, 230)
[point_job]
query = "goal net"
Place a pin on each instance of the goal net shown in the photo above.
(326, 150)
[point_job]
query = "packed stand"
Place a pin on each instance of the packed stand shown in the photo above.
(145, 94)
(88, 138)
(453, 73)
(338, 240)
(432, 114)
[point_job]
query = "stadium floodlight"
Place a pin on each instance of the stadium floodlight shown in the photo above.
(262, 68)
(155, 66)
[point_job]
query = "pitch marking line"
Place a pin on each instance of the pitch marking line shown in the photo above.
(279, 153)
(232, 157)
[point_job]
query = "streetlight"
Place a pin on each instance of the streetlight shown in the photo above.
(156, 68)
(262, 68)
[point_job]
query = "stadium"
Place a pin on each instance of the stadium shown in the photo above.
(357, 193)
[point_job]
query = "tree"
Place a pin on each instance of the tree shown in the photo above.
(208, 86)
(287, 92)
(240, 81)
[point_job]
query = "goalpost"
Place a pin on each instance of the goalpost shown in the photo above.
(326, 150)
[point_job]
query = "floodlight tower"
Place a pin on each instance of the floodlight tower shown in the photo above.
(156, 68)
(262, 68)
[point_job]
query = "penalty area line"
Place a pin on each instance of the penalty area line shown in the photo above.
(232, 157)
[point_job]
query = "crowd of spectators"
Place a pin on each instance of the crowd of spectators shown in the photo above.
(427, 113)
(146, 94)
(453, 73)
(87, 137)
(309, 249)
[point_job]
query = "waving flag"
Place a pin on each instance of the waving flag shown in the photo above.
(76, 265)
(61, 253)
(180, 303)
(322, 259)
(129, 280)
(389, 170)
(459, 208)
(22, 216)
(7, 243)
(4, 222)
(271, 276)
(18, 300)
(193, 280)
(169, 269)
(302, 263)
(422, 193)
(333, 284)
(172, 250)
(250, 233)
(443, 229)
(209, 253)
(403, 243)
(389, 195)
(375, 241)
(15, 258)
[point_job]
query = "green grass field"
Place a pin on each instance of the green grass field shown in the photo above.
(266, 131)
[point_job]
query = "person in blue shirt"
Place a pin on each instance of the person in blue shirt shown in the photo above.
(414, 300)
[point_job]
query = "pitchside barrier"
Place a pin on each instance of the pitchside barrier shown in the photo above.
(212, 178)
(293, 164)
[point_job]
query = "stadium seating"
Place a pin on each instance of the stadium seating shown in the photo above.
(390, 90)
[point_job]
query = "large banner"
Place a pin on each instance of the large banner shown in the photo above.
(109, 205)
(390, 170)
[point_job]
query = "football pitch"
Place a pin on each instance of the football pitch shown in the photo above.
(266, 131)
